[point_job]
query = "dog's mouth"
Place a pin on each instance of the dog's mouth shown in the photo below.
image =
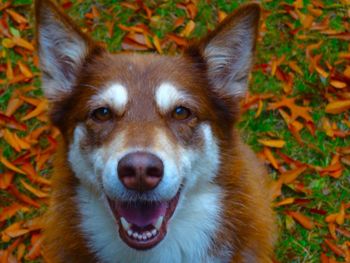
(143, 224)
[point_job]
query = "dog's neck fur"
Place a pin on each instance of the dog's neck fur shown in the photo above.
(189, 239)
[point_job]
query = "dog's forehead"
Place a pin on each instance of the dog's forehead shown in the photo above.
(142, 74)
(142, 80)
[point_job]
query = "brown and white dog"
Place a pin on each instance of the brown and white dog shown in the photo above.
(150, 167)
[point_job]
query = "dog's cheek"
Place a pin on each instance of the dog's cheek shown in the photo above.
(80, 156)
(201, 160)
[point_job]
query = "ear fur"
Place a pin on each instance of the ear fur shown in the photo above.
(228, 51)
(62, 49)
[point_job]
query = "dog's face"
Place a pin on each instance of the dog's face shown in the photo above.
(145, 132)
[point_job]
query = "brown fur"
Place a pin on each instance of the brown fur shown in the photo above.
(248, 221)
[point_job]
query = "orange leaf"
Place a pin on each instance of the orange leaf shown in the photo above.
(12, 106)
(33, 176)
(15, 230)
(289, 176)
(259, 110)
(11, 140)
(301, 219)
(338, 106)
(331, 218)
(294, 66)
(20, 252)
(324, 258)
(23, 43)
(35, 251)
(9, 165)
(23, 197)
(42, 107)
(10, 211)
(25, 70)
(186, 32)
(338, 84)
(34, 190)
(331, 228)
(5, 180)
(269, 156)
(16, 17)
(221, 16)
(338, 251)
(341, 215)
(9, 70)
(157, 44)
(296, 110)
(273, 143)
(287, 201)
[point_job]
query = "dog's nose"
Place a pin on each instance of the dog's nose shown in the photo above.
(140, 171)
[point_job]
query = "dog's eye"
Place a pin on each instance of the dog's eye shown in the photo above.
(102, 114)
(181, 113)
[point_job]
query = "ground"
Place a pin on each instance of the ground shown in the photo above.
(296, 115)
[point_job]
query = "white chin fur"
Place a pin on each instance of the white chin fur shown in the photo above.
(191, 228)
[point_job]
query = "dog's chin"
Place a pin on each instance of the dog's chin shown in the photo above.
(143, 224)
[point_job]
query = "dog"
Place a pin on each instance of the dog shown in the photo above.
(150, 167)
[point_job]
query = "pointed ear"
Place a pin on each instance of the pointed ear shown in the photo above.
(228, 51)
(62, 49)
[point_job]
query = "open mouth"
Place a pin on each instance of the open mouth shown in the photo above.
(143, 224)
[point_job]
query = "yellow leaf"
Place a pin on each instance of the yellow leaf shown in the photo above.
(17, 17)
(339, 106)
(186, 32)
(23, 43)
(287, 201)
(9, 165)
(42, 107)
(157, 44)
(8, 43)
(273, 143)
(338, 84)
(25, 70)
(34, 190)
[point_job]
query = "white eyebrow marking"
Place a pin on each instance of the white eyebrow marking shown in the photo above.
(116, 96)
(167, 96)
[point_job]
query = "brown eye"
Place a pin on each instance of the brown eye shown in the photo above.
(181, 113)
(102, 114)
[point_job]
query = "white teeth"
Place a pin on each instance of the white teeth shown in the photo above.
(130, 232)
(148, 234)
(139, 237)
(125, 223)
(144, 237)
(154, 232)
(159, 222)
(135, 235)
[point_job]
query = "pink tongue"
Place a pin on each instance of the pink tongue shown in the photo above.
(142, 214)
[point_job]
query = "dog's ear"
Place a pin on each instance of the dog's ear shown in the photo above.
(62, 49)
(228, 51)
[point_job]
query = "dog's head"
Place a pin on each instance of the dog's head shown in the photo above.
(143, 131)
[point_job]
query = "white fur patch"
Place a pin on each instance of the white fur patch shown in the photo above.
(168, 96)
(116, 95)
(61, 52)
(193, 225)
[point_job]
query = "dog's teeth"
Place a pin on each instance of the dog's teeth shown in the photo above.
(125, 223)
(130, 232)
(139, 237)
(148, 234)
(135, 235)
(144, 237)
(154, 232)
(159, 222)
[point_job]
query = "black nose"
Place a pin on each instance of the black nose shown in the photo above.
(140, 171)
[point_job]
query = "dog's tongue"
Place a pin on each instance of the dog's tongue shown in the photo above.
(141, 213)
